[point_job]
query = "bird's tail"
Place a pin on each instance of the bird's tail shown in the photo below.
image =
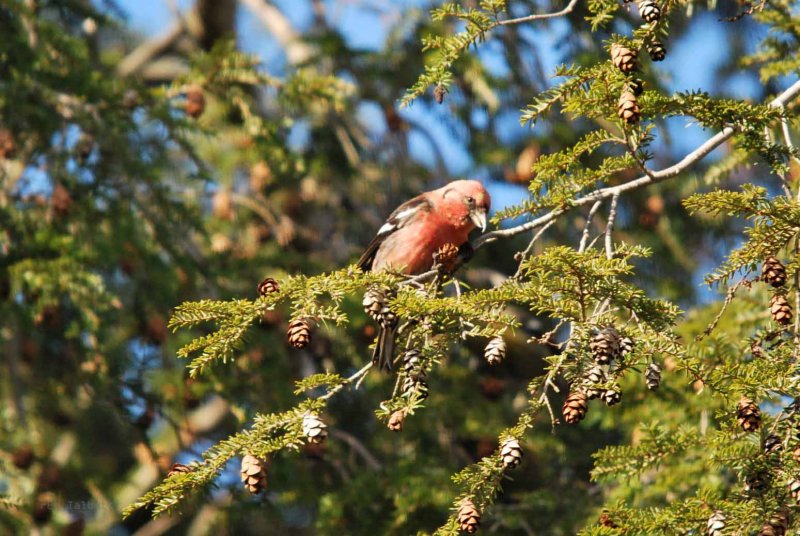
(384, 347)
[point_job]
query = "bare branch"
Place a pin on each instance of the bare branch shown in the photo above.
(541, 16)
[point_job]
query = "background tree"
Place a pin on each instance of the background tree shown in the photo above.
(139, 174)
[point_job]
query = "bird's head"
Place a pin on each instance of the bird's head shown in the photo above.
(466, 203)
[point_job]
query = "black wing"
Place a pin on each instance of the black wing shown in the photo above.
(396, 220)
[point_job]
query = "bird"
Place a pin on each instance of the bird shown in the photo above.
(415, 230)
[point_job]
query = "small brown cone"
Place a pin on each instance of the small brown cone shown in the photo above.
(446, 257)
(611, 397)
(772, 444)
(253, 473)
(656, 50)
(623, 58)
(314, 429)
(794, 489)
(511, 453)
(195, 102)
(396, 420)
(748, 415)
(468, 517)
(628, 108)
(777, 525)
(574, 408)
(23, 457)
(8, 147)
(796, 454)
(773, 272)
(605, 345)
(268, 286)
(716, 524)
(649, 10)
(178, 468)
(495, 351)
(592, 380)
(260, 176)
(781, 310)
(61, 200)
(299, 333)
(439, 92)
(652, 376)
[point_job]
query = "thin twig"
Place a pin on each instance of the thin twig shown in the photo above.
(654, 177)
(585, 235)
(541, 16)
(612, 216)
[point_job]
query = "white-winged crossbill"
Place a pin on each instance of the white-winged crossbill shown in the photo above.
(416, 230)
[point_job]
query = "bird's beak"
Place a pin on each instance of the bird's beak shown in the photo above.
(478, 217)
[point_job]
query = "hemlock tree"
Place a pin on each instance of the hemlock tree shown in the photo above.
(569, 378)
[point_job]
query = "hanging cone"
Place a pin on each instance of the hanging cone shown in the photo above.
(649, 10)
(591, 383)
(748, 415)
(625, 346)
(652, 376)
(781, 310)
(195, 102)
(574, 408)
(656, 50)
(253, 474)
(299, 333)
(628, 108)
(794, 489)
(605, 345)
(777, 525)
(314, 429)
(612, 396)
(773, 272)
(268, 286)
(412, 366)
(635, 86)
(416, 386)
(396, 420)
(495, 351)
(439, 92)
(715, 524)
(623, 58)
(468, 517)
(446, 257)
(605, 520)
(756, 483)
(511, 453)
(772, 444)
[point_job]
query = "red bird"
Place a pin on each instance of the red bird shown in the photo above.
(416, 230)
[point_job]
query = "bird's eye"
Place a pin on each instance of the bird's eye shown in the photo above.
(470, 201)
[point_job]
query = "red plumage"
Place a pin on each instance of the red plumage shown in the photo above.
(416, 230)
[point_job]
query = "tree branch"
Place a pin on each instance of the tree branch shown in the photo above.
(541, 16)
(654, 177)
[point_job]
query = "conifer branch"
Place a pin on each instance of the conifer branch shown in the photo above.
(541, 16)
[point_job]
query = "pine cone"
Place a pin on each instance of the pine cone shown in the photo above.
(656, 50)
(715, 524)
(178, 468)
(511, 453)
(446, 257)
(593, 379)
(439, 92)
(772, 444)
(625, 346)
(253, 473)
(416, 385)
(412, 364)
(628, 108)
(299, 333)
(652, 376)
(605, 520)
(605, 345)
(574, 408)
(748, 415)
(8, 147)
(195, 102)
(376, 305)
(635, 86)
(773, 272)
(780, 309)
(396, 420)
(23, 457)
(649, 10)
(794, 489)
(612, 396)
(267, 286)
(314, 429)
(796, 454)
(468, 517)
(61, 200)
(495, 351)
(623, 58)
(777, 525)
